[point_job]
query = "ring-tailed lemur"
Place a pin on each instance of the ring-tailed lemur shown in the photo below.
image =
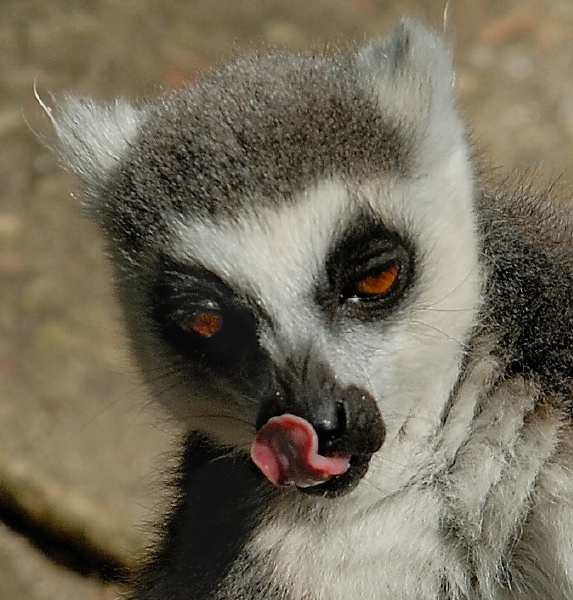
(372, 353)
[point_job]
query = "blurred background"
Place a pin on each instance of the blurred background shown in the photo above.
(82, 451)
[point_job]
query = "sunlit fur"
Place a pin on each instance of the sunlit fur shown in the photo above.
(471, 493)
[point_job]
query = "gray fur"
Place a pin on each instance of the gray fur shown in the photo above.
(256, 184)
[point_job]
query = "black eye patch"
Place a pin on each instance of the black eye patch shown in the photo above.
(368, 271)
(201, 317)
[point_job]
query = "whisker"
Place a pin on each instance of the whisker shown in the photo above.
(440, 332)
(452, 291)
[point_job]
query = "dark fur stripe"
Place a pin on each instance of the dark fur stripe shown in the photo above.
(220, 503)
(260, 130)
(530, 262)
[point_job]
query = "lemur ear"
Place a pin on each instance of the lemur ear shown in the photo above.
(412, 76)
(93, 138)
(411, 56)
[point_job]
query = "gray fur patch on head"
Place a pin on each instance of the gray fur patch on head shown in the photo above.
(256, 133)
(265, 129)
(260, 132)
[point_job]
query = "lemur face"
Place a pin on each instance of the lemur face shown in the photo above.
(296, 254)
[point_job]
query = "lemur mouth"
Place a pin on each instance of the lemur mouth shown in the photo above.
(286, 450)
(340, 485)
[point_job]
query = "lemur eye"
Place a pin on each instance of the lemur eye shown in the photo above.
(205, 324)
(202, 319)
(378, 283)
(369, 268)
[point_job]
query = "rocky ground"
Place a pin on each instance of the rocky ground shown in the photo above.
(82, 452)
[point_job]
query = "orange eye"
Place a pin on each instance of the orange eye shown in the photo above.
(378, 284)
(205, 324)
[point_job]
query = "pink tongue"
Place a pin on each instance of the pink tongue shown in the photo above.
(286, 451)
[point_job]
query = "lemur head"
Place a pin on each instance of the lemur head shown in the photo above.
(295, 251)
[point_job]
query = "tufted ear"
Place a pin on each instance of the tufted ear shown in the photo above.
(413, 59)
(412, 75)
(93, 138)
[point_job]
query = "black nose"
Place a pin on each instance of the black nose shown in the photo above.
(346, 420)
(358, 429)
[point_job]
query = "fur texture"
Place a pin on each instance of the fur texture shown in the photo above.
(271, 191)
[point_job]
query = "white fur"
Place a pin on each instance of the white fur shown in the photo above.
(93, 138)
(396, 548)
(474, 474)
(410, 363)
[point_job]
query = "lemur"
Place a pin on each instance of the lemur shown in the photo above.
(370, 348)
